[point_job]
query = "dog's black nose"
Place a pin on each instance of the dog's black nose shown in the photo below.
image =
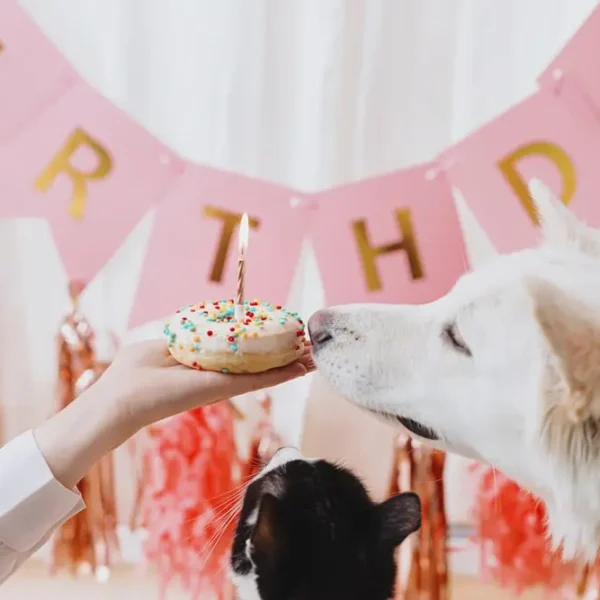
(319, 327)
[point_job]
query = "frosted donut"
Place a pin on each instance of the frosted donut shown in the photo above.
(207, 336)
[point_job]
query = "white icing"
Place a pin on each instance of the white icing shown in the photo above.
(203, 330)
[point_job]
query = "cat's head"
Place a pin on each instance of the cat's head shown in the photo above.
(308, 530)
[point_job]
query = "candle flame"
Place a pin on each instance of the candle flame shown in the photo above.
(243, 234)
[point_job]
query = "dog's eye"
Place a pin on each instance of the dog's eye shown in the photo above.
(453, 337)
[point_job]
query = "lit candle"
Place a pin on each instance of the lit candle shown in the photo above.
(243, 247)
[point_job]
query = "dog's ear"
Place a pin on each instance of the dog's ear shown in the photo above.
(559, 225)
(572, 332)
(478, 245)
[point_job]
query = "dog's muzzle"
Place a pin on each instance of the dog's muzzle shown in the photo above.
(319, 329)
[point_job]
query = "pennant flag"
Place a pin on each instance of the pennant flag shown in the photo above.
(33, 73)
(394, 238)
(88, 169)
(192, 253)
(578, 60)
(551, 136)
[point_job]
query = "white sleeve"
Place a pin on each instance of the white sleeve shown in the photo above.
(32, 503)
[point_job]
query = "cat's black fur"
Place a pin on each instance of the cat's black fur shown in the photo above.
(318, 536)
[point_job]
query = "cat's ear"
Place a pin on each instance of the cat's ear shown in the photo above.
(267, 537)
(398, 517)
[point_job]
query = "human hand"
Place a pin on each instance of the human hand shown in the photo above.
(143, 384)
(148, 384)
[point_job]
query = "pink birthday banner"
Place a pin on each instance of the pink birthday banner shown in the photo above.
(554, 136)
(394, 238)
(192, 252)
(69, 156)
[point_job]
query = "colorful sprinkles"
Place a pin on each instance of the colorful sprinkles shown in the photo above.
(256, 315)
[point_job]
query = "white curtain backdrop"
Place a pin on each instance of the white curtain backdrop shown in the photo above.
(309, 93)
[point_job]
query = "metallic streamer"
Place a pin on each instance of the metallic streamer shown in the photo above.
(86, 541)
(422, 559)
(587, 584)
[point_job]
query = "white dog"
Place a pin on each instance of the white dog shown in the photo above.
(504, 369)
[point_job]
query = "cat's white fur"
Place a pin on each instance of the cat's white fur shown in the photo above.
(528, 399)
(246, 586)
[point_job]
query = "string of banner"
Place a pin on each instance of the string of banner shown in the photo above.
(69, 156)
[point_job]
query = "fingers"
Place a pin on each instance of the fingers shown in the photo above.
(144, 348)
(259, 381)
(169, 361)
(308, 361)
(209, 386)
(158, 345)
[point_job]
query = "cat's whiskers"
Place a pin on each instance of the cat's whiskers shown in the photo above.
(234, 513)
(224, 566)
(238, 492)
(257, 465)
(234, 498)
(225, 506)
(246, 479)
(222, 516)
(228, 498)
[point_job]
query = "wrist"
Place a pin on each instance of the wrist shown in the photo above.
(109, 405)
(75, 438)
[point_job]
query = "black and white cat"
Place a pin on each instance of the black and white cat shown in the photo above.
(309, 531)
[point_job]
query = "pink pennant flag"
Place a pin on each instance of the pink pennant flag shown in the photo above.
(394, 238)
(551, 136)
(33, 73)
(91, 171)
(578, 60)
(193, 249)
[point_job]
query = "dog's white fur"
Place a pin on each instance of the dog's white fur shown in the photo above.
(527, 400)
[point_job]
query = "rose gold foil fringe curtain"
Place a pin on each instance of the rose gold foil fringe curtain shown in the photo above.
(423, 558)
(87, 540)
